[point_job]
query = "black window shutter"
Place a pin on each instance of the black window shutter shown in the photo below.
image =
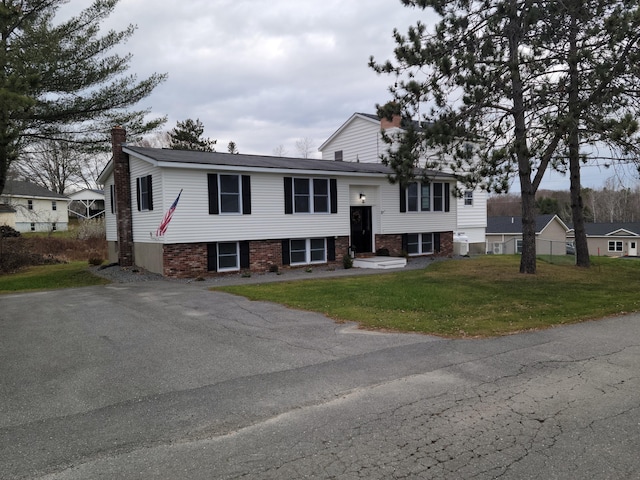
(405, 243)
(246, 195)
(403, 198)
(447, 197)
(212, 180)
(150, 191)
(288, 195)
(138, 192)
(244, 255)
(112, 191)
(212, 257)
(331, 249)
(436, 242)
(333, 191)
(286, 253)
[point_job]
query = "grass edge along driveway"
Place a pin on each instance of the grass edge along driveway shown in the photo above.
(483, 296)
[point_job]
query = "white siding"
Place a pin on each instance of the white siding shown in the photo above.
(394, 222)
(42, 214)
(472, 219)
(192, 222)
(145, 222)
(110, 218)
(359, 141)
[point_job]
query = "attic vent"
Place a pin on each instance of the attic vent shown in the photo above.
(337, 156)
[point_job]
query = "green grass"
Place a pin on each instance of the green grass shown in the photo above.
(48, 277)
(484, 296)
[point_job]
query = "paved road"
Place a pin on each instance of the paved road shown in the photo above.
(162, 380)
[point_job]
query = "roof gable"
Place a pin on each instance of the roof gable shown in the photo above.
(364, 116)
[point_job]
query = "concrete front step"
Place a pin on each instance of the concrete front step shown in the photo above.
(380, 262)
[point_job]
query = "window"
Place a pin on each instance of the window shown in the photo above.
(519, 245)
(229, 194)
(144, 193)
(422, 243)
(337, 156)
(33, 227)
(29, 204)
(425, 197)
(227, 256)
(468, 198)
(310, 195)
(54, 205)
(307, 250)
(54, 227)
(615, 246)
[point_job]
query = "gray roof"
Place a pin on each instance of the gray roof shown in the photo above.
(513, 224)
(603, 229)
(260, 161)
(16, 188)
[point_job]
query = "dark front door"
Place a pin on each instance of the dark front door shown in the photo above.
(361, 229)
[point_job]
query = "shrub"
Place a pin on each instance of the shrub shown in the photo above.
(7, 231)
(347, 261)
(94, 228)
(96, 261)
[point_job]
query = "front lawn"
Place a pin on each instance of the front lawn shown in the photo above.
(483, 296)
(48, 277)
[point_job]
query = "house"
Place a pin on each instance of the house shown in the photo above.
(359, 140)
(612, 239)
(261, 213)
(87, 203)
(36, 209)
(504, 235)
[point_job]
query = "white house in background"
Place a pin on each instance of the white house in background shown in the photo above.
(36, 208)
(259, 213)
(359, 140)
(87, 203)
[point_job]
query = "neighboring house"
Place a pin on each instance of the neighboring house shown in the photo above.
(36, 208)
(504, 235)
(7, 215)
(612, 239)
(260, 213)
(87, 203)
(359, 140)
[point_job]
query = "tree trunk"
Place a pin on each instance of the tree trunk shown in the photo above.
(523, 157)
(577, 207)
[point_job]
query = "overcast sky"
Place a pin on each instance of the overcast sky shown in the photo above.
(266, 73)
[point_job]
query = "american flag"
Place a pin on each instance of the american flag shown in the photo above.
(160, 231)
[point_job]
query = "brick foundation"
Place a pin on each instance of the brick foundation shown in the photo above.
(189, 260)
(184, 260)
(394, 244)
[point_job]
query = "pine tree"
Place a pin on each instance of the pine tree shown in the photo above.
(187, 135)
(513, 87)
(60, 81)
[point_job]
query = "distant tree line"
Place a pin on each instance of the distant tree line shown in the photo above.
(606, 205)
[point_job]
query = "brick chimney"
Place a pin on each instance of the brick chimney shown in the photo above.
(122, 182)
(394, 123)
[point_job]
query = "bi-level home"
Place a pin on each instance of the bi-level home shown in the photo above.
(359, 140)
(259, 213)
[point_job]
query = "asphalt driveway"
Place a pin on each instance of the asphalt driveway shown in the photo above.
(168, 380)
